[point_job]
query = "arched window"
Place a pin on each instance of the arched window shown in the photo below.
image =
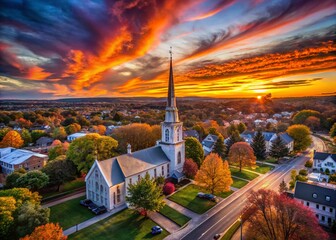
(118, 194)
(97, 187)
(178, 134)
(179, 158)
(101, 189)
(167, 135)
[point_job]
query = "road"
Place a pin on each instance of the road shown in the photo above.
(234, 204)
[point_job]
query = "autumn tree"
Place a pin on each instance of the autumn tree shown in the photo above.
(101, 129)
(241, 154)
(275, 216)
(190, 168)
(3, 132)
(313, 122)
(259, 146)
(12, 139)
(302, 116)
(332, 132)
(219, 147)
(194, 150)
(214, 174)
(73, 128)
(200, 129)
(7, 223)
(234, 138)
(278, 149)
(301, 135)
(145, 195)
(36, 134)
(241, 127)
(25, 134)
(84, 150)
(56, 151)
(24, 123)
(59, 133)
(49, 231)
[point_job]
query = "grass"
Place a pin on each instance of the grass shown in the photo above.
(229, 233)
(238, 183)
(67, 187)
(187, 197)
(70, 213)
(261, 168)
(272, 160)
(124, 225)
(243, 174)
(224, 194)
(174, 215)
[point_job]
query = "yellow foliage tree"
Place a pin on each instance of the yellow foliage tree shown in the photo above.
(49, 231)
(214, 174)
(242, 154)
(101, 129)
(12, 139)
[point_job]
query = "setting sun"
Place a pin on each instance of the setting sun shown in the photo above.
(259, 97)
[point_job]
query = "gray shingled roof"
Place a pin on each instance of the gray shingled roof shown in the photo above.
(191, 133)
(324, 155)
(305, 192)
(285, 138)
(268, 135)
(208, 144)
(112, 172)
(142, 160)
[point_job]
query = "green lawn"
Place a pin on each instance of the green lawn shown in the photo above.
(272, 160)
(238, 183)
(243, 174)
(124, 225)
(70, 213)
(261, 168)
(229, 233)
(187, 197)
(67, 187)
(224, 194)
(174, 215)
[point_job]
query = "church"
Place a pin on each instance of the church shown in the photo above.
(108, 180)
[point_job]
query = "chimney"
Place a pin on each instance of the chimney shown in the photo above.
(129, 149)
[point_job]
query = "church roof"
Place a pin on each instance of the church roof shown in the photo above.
(142, 160)
(112, 172)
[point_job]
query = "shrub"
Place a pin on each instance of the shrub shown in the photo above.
(332, 177)
(327, 171)
(303, 172)
(168, 188)
(309, 164)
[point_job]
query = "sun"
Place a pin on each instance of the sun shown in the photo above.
(259, 97)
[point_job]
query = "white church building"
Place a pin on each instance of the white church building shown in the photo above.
(108, 180)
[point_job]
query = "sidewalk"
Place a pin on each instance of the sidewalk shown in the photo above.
(267, 163)
(181, 209)
(164, 222)
(50, 204)
(93, 220)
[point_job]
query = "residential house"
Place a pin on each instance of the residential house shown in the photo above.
(191, 133)
(74, 136)
(12, 159)
(320, 198)
(208, 143)
(286, 139)
(44, 141)
(324, 161)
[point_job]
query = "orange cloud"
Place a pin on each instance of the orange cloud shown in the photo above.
(37, 73)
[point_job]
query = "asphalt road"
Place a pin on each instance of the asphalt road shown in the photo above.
(233, 206)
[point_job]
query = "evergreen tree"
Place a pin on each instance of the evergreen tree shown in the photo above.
(241, 127)
(234, 137)
(278, 148)
(219, 147)
(283, 187)
(259, 146)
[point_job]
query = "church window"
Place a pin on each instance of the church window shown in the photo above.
(96, 173)
(179, 158)
(97, 187)
(168, 169)
(130, 181)
(114, 198)
(178, 134)
(162, 173)
(118, 194)
(155, 172)
(167, 135)
(101, 189)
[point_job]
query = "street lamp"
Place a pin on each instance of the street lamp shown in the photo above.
(241, 227)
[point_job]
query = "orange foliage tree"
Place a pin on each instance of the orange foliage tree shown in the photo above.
(12, 139)
(101, 129)
(49, 231)
(241, 154)
(214, 174)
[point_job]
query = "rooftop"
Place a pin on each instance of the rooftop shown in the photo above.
(18, 156)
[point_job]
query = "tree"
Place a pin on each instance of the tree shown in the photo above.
(55, 152)
(21, 195)
(24, 123)
(49, 231)
(59, 133)
(12, 139)
(3, 132)
(7, 223)
(301, 135)
(293, 178)
(25, 134)
(278, 149)
(168, 188)
(72, 128)
(241, 127)
(234, 138)
(31, 216)
(83, 151)
(313, 122)
(117, 117)
(60, 171)
(332, 132)
(301, 116)
(219, 147)
(214, 174)
(281, 127)
(241, 154)
(194, 150)
(36, 134)
(190, 168)
(275, 216)
(283, 187)
(101, 129)
(13, 177)
(145, 195)
(259, 146)
(200, 129)
(33, 180)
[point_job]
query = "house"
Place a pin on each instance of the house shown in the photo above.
(12, 159)
(286, 139)
(191, 133)
(74, 136)
(108, 180)
(320, 198)
(318, 177)
(208, 143)
(324, 161)
(44, 141)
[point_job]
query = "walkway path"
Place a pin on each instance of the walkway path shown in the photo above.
(93, 220)
(181, 209)
(53, 203)
(164, 222)
(241, 178)
(267, 163)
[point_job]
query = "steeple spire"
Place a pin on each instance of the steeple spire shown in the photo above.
(171, 92)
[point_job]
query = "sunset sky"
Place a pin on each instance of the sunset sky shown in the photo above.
(221, 48)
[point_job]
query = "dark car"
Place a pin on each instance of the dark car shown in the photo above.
(92, 206)
(217, 236)
(207, 196)
(156, 230)
(99, 210)
(85, 202)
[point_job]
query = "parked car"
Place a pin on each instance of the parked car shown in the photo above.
(85, 202)
(207, 196)
(156, 230)
(99, 210)
(217, 236)
(92, 206)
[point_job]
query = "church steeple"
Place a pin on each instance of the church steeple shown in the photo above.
(171, 109)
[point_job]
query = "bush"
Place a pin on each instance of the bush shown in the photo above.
(303, 172)
(332, 177)
(301, 178)
(168, 188)
(309, 164)
(327, 171)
